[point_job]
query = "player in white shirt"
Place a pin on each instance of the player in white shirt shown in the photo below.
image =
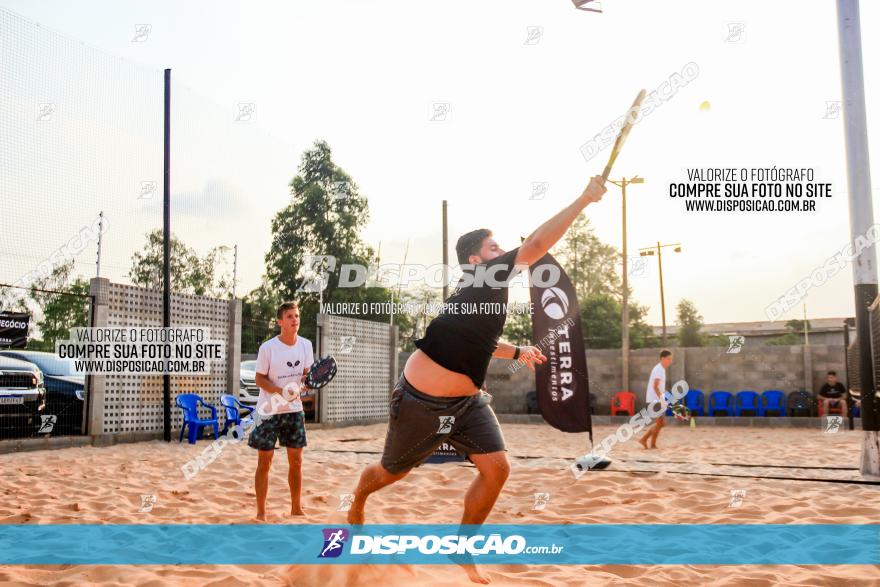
(656, 393)
(282, 365)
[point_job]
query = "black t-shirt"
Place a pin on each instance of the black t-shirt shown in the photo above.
(464, 335)
(835, 392)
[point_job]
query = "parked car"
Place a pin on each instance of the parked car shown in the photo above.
(22, 398)
(248, 392)
(65, 389)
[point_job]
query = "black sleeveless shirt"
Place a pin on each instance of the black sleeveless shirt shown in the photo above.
(464, 335)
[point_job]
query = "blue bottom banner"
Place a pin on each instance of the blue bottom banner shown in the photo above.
(530, 544)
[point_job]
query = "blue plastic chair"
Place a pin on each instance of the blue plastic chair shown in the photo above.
(773, 400)
(695, 401)
(721, 401)
(748, 401)
(857, 411)
(189, 403)
(800, 401)
(233, 409)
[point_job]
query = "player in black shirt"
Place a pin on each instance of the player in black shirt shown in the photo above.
(438, 399)
(832, 393)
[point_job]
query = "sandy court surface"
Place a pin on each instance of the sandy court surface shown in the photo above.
(103, 485)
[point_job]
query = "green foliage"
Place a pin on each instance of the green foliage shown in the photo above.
(190, 273)
(518, 329)
(716, 340)
(56, 313)
(603, 326)
(689, 324)
(258, 322)
(411, 327)
(324, 217)
(793, 336)
(592, 266)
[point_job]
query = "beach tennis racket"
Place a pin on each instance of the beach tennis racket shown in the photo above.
(321, 373)
(631, 115)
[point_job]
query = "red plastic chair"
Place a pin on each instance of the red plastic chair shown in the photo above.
(838, 409)
(623, 402)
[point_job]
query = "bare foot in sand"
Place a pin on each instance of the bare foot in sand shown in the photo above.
(653, 445)
(260, 518)
(296, 512)
(643, 443)
(475, 576)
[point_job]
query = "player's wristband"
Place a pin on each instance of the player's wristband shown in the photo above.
(515, 353)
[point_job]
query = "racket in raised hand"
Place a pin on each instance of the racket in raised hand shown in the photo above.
(631, 115)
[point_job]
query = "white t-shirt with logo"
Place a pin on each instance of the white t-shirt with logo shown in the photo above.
(658, 372)
(283, 364)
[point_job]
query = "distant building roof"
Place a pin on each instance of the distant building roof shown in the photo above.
(765, 328)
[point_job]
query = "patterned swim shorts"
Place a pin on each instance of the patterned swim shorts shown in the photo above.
(290, 427)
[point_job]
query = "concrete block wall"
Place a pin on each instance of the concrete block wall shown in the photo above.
(787, 368)
(366, 356)
(127, 404)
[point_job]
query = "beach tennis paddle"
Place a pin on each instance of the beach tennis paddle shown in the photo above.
(631, 115)
(321, 373)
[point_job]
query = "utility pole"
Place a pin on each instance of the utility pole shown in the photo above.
(399, 286)
(100, 240)
(806, 328)
(649, 251)
(234, 269)
(625, 284)
(662, 296)
(166, 251)
(861, 218)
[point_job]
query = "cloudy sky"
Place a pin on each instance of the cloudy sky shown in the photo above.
(525, 84)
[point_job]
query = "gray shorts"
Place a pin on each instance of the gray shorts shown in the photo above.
(418, 423)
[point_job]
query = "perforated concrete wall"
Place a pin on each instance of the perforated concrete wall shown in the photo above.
(133, 403)
(366, 356)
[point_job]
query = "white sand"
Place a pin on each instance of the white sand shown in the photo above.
(103, 485)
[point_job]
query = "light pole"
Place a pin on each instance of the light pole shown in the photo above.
(649, 251)
(625, 314)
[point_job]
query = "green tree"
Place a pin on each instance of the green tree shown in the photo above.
(594, 269)
(411, 327)
(323, 219)
(592, 266)
(603, 326)
(190, 273)
(689, 324)
(518, 329)
(61, 303)
(258, 322)
(794, 334)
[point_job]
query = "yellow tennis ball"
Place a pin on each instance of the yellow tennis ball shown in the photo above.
(705, 106)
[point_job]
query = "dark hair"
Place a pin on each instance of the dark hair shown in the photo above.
(279, 313)
(833, 373)
(470, 243)
(664, 353)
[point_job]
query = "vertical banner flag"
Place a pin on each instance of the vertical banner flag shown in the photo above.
(14, 329)
(562, 383)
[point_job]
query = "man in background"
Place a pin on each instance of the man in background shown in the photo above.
(655, 394)
(832, 394)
